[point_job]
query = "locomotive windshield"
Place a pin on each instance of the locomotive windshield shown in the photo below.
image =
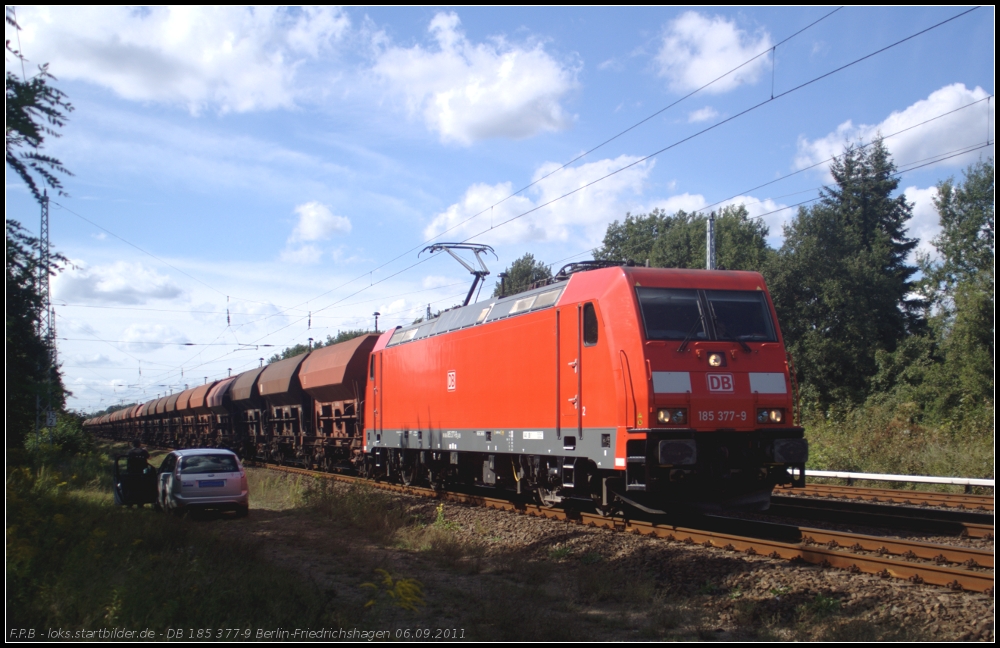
(682, 314)
(740, 315)
(672, 314)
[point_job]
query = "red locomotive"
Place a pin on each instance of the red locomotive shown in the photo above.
(655, 387)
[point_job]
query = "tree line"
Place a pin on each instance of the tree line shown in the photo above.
(860, 320)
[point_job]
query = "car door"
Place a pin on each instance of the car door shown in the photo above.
(165, 477)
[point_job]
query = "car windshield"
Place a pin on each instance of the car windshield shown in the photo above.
(212, 463)
(740, 315)
(671, 314)
(676, 314)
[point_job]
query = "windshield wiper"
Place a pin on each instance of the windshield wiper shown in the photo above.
(690, 334)
(746, 347)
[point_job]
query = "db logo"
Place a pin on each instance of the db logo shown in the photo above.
(720, 382)
(451, 381)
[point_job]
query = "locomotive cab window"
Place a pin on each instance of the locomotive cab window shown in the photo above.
(589, 325)
(671, 314)
(371, 367)
(680, 314)
(740, 315)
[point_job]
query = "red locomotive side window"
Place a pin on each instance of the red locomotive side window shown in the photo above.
(589, 325)
(371, 368)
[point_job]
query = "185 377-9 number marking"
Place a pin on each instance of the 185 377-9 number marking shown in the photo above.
(722, 416)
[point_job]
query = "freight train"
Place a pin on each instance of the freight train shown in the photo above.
(656, 388)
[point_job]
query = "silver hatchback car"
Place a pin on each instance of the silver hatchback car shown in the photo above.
(205, 478)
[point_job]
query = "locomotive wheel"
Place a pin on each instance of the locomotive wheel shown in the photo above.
(410, 473)
(548, 497)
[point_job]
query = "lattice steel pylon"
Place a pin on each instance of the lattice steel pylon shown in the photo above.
(46, 319)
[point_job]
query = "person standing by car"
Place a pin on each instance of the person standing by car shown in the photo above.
(138, 458)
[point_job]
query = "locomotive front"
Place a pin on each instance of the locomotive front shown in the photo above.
(712, 425)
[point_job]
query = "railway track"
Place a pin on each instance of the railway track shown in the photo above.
(890, 496)
(954, 567)
(940, 522)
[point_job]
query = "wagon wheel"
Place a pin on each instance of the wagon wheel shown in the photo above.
(548, 497)
(436, 477)
(410, 473)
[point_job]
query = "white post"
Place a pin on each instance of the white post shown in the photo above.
(710, 243)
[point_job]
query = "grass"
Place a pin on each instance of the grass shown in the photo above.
(75, 561)
(889, 438)
(334, 554)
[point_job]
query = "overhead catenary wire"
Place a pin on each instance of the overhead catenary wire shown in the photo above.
(831, 159)
(911, 166)
(780, 95)
(150, 254)
(692, 136)
(724, 121)
(575, 159)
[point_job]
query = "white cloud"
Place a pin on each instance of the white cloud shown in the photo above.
(151, 337)
(316, 223)
(436, 281)
(772, 213)
(398, 306)
(229, 58)
(302, 255)
(685, 201)
(958, 130)
(926, 223)
(92, 360)
(585, 212)
(117, 283)
(702, 114)
(468, 92)
(696, 49)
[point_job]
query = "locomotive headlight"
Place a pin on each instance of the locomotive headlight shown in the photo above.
(770, 416)
(675, 416)
(716, 360)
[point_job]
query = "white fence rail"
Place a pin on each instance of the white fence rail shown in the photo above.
(916, 479)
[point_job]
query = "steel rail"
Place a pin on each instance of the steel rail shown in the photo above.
(806, 551)
(824, 557)
(892, 496)
(944, 522)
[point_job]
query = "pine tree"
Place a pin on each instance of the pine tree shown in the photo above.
(841, 282)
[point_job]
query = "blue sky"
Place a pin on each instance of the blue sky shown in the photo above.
(286, 165)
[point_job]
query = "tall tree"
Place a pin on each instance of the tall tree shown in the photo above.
(678, 240)
(34, 110)
(740, 241)
(961, 283)
(633, 238)
(841, 283)
(30, 374)
(521, 275)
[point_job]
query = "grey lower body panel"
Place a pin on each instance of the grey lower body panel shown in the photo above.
(596, 444)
